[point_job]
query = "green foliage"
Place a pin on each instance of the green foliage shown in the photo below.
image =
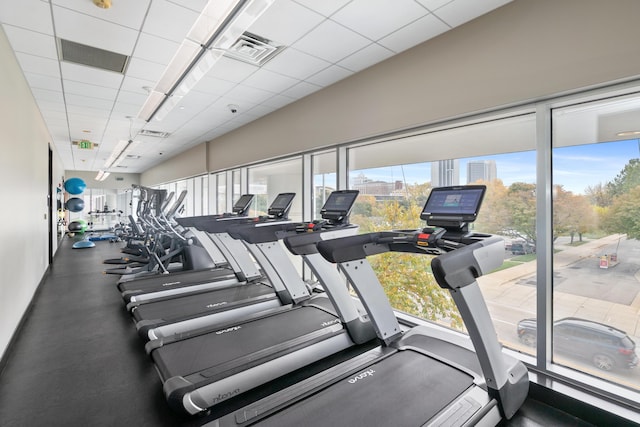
(624, 214)
(626, 180)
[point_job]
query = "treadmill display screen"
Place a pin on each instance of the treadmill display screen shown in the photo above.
(458, 203)
(243, 203)
(281, 203)
(339, 203)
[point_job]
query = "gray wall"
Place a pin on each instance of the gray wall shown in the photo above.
(24, 217)
(524, 51)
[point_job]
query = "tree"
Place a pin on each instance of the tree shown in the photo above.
(599, 195)
(495, 214)
(572, 214)
(626, 180)
(521, 204)
(624, 214)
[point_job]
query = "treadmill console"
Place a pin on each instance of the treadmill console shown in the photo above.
(241, 206)
(453, 207)
(281, 205)
(338, 206)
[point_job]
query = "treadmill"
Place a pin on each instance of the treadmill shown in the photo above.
(176, 314)
(203, 368)
(240, 209)
(238, 267)
(427, 375)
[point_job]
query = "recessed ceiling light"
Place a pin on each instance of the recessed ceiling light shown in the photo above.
(629, 133)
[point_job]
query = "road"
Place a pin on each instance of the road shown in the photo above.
(581, 289)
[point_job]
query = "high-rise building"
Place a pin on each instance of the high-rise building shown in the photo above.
(484, 170)
(445, 173)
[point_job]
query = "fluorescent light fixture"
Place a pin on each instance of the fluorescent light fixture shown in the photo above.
(217, 28)
(119, 153)
(102, 175)
(629, 133)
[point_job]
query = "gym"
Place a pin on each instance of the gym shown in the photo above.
(248, 158)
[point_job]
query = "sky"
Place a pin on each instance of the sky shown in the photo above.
(575, 167)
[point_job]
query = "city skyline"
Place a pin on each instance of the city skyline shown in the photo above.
(575, 168)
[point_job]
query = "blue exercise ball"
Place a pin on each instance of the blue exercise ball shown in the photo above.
(75, 204)
(74, 185)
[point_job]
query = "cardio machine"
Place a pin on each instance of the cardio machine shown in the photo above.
(204, 368)
(228, 270)
(175, 314)
(426, 375)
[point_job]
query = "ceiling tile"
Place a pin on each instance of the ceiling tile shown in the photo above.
(129, 14)
(433, 5)
(90, 75)
(415, 33)
(317, 42)
(195, 5)
(301, 90)
(155, 49)
(214, 86)
(71, 25)
(142, 69)
(39, 81)
(163, 12)
(31, 42)
(38, 65)
(296, 64)
(325, 7)
(48, 95)
(245, 96)
(377, 18)
(330, 75)
(134, 84)
(366, 57)
(285, 22)
(460, 11)
(268, 80)
(30, 14)
(231, 70)
(79, 88)
(278, 101)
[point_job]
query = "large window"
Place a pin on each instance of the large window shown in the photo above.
(324, 179)
(596, 211)
(267, 181)
(395, 178)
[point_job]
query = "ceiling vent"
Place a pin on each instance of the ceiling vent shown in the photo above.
(92, 56)
(154, 133)
(253, 49)
(132, 157)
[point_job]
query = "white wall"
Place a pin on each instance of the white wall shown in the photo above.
(24, 215)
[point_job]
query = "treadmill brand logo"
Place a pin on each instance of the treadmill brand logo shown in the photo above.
(329, 323)
(231, 329)
(361, 376)
(224, 396)
(170, 283)
(214, 305)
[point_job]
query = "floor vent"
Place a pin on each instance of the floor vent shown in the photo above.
(92, 56)
(253, 49)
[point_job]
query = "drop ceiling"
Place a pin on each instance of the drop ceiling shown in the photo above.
(319, 43)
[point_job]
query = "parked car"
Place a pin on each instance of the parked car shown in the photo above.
(604, 346)
(519, 248)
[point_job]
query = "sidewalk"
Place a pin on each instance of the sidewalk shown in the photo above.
(513, 290)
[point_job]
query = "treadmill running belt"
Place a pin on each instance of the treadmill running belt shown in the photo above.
(405, 389)
(222, 347)
(201, 303)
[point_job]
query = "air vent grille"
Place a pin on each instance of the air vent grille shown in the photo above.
(253, 49)
(92, 56)
(154, 133)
